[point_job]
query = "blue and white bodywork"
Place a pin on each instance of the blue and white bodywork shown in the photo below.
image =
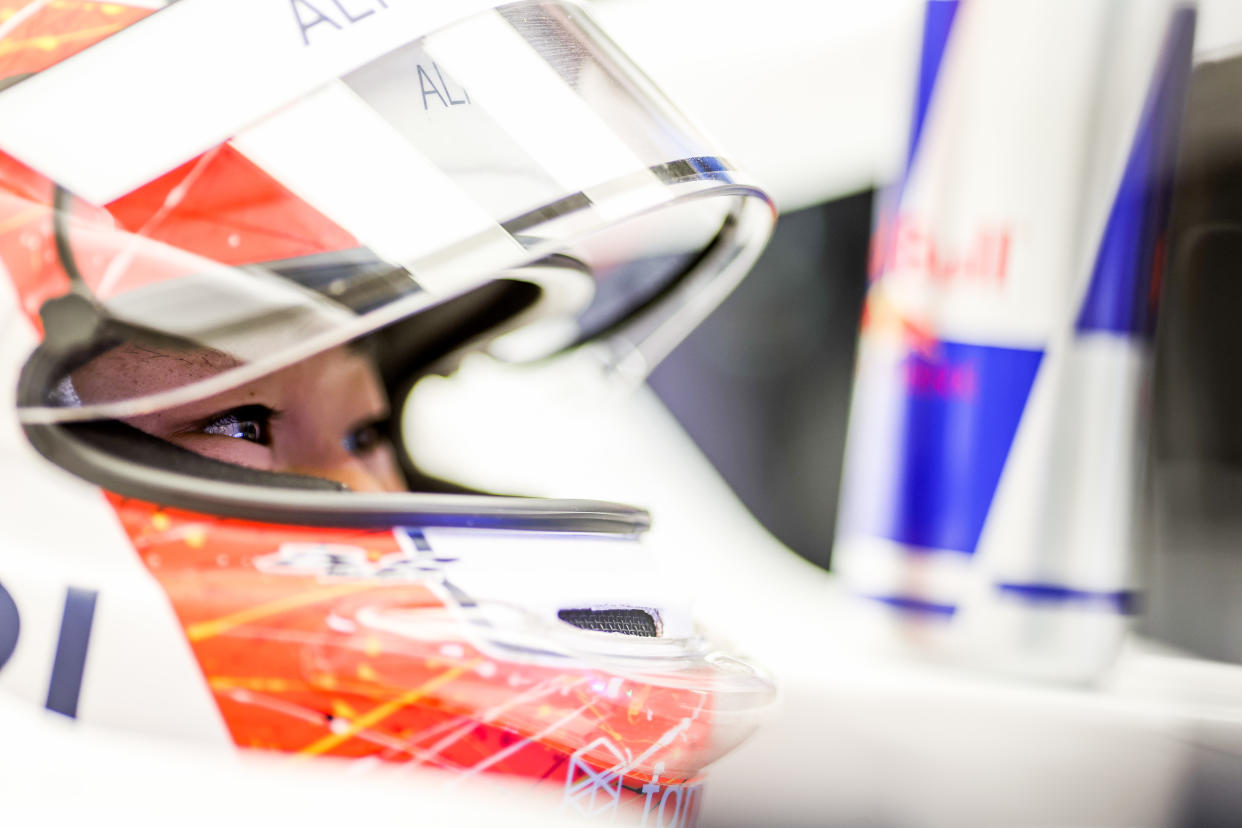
(996, 438)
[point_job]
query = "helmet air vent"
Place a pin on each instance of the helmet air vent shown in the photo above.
(625, 621)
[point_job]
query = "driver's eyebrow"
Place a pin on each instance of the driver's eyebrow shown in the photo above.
(196, 357)
(119, 373)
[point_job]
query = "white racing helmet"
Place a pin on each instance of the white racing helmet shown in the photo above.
(256, 184)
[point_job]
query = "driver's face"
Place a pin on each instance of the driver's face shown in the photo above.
(321, 417)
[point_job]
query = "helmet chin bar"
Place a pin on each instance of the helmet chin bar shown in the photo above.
(181, 479)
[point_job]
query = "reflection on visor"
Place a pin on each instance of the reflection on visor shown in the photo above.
(417, 178)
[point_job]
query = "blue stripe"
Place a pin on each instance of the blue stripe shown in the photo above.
(707, 164)
(937, 24)
(417, 536)
(961, 410)
(69, 663)
(10, 625)
(1121, 297)
(915, 606)
(1124, 601)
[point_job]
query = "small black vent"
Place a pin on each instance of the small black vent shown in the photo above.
(623, 621)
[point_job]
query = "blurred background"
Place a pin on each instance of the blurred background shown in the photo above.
(816, 99)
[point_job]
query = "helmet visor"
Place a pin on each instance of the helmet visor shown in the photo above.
(516, 147)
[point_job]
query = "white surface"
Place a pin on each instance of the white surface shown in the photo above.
(812, 97)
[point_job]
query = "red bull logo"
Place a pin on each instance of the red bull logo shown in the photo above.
(905, 243)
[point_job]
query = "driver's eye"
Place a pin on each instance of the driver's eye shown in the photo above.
(248, 422)
(365, 439)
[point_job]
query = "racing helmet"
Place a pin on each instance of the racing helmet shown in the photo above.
(249, 186)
